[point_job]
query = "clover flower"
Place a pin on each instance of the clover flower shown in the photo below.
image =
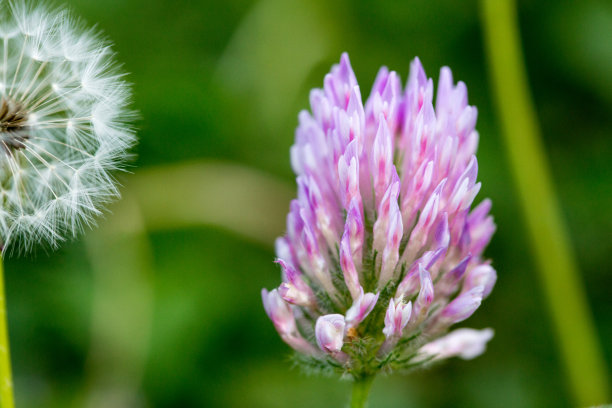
(64, 125)
(382, 253)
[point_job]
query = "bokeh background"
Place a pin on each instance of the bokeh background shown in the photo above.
(161, 306)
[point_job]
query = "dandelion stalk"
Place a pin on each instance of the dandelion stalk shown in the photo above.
(6, 380)
(361, 392)
(559, 274)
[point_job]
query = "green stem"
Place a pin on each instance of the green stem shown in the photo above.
(6, 381)
(558, 271)
(361, 391)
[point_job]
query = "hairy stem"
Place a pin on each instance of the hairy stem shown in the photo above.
(361, 391)
(6, 381)
(559, 276)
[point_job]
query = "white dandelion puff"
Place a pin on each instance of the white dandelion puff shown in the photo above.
(64, 125)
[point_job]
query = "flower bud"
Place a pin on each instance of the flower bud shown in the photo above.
(382, 161)
(483, 275)
(390, 254)
(397, 317)
(464, 305)
(361, 308)
(386, 209)
(351, 279)
(354, 228)
(278, 311)
(426, 295)
(348, 173)
(329, 332)
(295, 290)
(464, 343)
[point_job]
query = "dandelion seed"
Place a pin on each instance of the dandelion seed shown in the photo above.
(64, 125)
(382, 254)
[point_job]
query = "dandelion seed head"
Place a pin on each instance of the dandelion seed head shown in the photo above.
(64, 125)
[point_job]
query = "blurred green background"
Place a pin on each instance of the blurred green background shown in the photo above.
(161, 306)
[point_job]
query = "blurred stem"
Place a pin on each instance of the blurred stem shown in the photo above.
(563, 288)
(361, 391)
(122, 309)
(6, 380)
